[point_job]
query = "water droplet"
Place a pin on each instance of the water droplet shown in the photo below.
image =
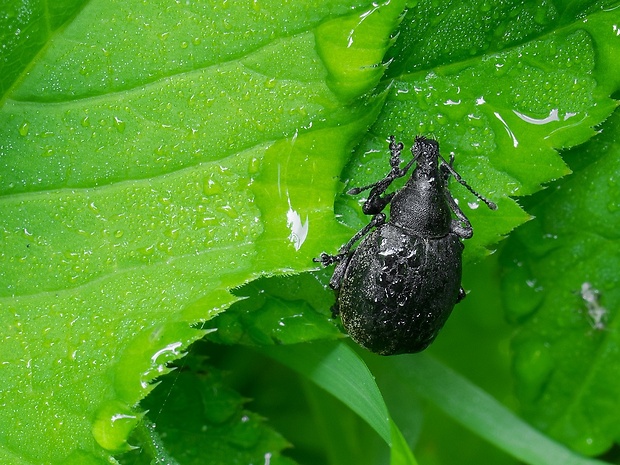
(164, 247)
(230, 211)
(113, 423)
(24, 128)
(184, 44)
(48, 151)
(146, 252)
(299, 229)
(171, 351)
(172, 233)
(254, 165)
(206, 221)
(211, 187)
(120, 124)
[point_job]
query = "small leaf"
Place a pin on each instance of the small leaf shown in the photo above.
(348, 46)
(197, 408)
(285, 310)
(562, 290)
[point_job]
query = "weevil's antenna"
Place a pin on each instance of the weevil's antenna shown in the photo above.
(461, 181)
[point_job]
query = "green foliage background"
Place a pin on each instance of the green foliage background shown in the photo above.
(169, 169)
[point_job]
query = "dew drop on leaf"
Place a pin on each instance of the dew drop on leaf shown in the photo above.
(211, 187)
(229, 211)
(23, 129)
(254, 165)
(119, 124)
(113, 423)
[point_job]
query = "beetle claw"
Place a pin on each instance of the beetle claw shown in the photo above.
(327, 260)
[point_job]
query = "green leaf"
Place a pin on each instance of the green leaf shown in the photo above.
(152, 158)
(196, 407)
(340, 371)
(562, 290)
(24, 31)
(503, 113)
(275, 311)
(494, 422)
(349, 48)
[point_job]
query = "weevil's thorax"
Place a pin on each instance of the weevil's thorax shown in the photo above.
(421, 206)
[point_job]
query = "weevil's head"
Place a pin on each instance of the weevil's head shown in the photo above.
(421, 205)
(426, 153)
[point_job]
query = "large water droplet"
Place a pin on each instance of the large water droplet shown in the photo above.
(24, 128)
(113, 423)
(119, 124)
(211, 187)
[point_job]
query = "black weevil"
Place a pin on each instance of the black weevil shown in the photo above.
(396, 290)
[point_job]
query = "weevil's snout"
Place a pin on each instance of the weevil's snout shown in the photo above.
(426, 152)
(423, 145)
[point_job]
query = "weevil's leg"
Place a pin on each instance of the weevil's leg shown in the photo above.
(336, 279)
(445, 171)
(377, 220)
(345, 254)
(326, 259)
(462, 295)
(447, 167)
(461, 226)
(342, 261)
(375, 202)
(335, 310)
(345, 250)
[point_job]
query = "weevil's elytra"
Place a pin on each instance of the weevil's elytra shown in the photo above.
(396, 290)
